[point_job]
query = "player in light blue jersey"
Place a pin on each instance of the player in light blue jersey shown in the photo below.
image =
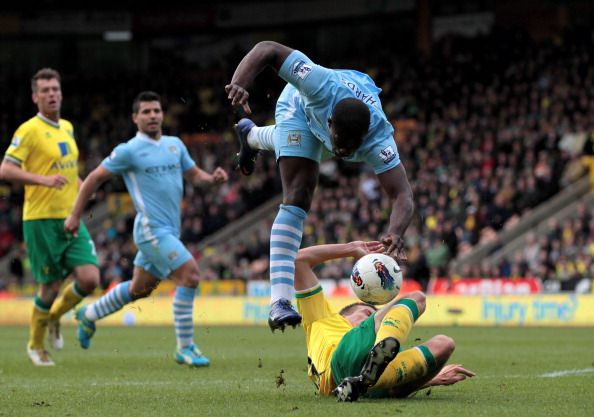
(321, 113)
(153, 166)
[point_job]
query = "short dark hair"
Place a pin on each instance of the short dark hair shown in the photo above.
(44, 74)
(351, 115)
(144, 96)
(349, 309)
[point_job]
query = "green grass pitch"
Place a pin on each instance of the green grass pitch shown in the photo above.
(130, 372)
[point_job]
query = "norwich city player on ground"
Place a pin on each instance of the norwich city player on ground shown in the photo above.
(43, 156)
(153, 166)
(357, 351)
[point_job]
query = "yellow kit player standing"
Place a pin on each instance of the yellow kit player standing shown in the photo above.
(43, 156)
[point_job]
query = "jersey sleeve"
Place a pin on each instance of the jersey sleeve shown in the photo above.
(119, 160)
(185, 159)
(382, 156)
(313, 305)
(20, 146)
(306, 76)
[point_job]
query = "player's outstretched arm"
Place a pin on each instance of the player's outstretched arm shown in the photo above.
(309, 257)
(396, 185)
(88, 187)
(315, 255)
(266, 53)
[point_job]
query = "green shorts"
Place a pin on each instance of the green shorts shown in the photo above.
(53, 252)
(352, 350)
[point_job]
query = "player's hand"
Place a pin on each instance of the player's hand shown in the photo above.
(363, 248)
(238, 96)
(450, 374)
(55, 181)
(71, 225)
(219, 176)
(394, 246)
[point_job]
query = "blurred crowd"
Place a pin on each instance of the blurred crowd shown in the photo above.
(478, 128)
(562, 257)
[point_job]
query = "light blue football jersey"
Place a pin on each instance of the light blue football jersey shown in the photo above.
(321, 88)
(153, 173)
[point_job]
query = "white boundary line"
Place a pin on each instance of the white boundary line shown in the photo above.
(567, 372)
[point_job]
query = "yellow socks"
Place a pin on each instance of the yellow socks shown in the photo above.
(408, 367)
(71, 296)
(398, 322)
(39, 320)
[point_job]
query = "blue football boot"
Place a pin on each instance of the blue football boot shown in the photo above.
(85, 329)
(191, 355)
(282, 314)
(246, 162)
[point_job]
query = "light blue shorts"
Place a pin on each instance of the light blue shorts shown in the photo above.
(292, 136)
(162, 256)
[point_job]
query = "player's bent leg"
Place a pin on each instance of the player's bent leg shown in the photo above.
(79, 259)
(262, 138)
(380, 356)
(398, 321)
(108, 304)
(441, 347)
(414, 367)
(392, 328)
(70, 297)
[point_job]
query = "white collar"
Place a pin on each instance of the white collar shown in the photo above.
(145, 138)
(48, 121)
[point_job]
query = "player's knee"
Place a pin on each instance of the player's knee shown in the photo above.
(189, 279)
(192, 280)
(442, 348)
(87, 277)
(420, 298)
(89, 280)
(140, 291)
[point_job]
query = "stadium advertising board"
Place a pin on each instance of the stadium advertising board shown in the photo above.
(442, 310)
(518, 310)
(485, 286)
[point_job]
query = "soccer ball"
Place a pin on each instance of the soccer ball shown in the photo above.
(376, 278)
